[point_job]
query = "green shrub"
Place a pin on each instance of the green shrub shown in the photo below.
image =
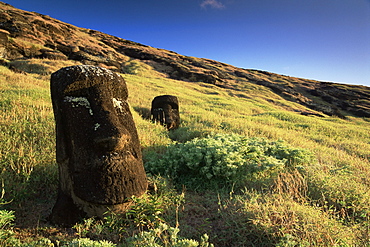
(225, 160)
(44, 242)
(164, 235)
(78, 242)
(85, 242)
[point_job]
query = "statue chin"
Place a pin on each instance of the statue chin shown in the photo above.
(108, 179)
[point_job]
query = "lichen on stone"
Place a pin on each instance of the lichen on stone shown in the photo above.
(79, 101)
(117, 104)
(88, 70)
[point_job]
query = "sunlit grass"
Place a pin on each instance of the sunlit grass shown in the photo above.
(337, 206)
(340, 177)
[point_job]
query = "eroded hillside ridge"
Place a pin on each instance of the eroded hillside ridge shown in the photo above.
(25, 35)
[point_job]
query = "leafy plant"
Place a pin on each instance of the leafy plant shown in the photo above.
(145, 212)
(78, 242)
(226, 160)
(165, 235)
(85, 242)
(6, 220)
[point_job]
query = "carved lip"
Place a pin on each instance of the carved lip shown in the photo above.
(117, 162)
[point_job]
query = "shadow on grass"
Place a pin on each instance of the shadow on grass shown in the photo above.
(219, 216)
(184, 134)
(31, 198)
(143, 112)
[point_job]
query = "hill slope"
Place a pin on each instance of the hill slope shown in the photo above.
(31, 35)
(322, 202)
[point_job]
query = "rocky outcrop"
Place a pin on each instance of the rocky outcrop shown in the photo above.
(354, 99)
(4, 40)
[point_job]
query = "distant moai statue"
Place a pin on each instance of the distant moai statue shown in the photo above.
(165, 110)
(97, 146)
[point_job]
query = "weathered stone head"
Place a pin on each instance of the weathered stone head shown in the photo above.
(165, 109)
(97, 146)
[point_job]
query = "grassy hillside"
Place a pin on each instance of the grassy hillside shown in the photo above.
(324, 202)
(26, 35)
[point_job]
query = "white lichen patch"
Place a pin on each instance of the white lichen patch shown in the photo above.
(79, 101)
(96, 126)
(118, 104)
(89, 70)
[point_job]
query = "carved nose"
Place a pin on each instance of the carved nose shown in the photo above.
(111, 143)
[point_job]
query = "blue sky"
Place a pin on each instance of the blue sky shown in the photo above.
(327, 40)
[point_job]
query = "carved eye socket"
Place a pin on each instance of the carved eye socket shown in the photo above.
(79, 102)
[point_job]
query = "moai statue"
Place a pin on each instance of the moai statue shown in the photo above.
(165, 110)
(97, 145)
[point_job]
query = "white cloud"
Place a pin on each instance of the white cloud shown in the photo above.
(212, 3)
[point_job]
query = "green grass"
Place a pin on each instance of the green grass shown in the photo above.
(334, 210)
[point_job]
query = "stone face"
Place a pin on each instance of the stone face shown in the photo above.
(165, 110)
(98, 149)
